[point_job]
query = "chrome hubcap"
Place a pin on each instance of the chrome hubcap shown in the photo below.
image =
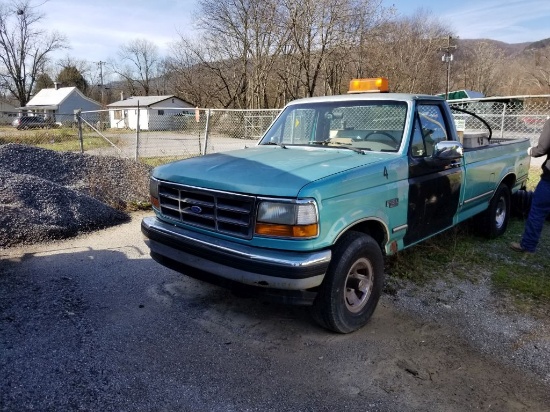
(359, 283)
(500, 214)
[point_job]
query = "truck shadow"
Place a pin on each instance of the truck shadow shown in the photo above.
(121, 289)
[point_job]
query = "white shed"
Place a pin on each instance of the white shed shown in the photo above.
(155, 112)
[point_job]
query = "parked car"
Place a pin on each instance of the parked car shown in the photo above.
(32, 122)
(534, 122)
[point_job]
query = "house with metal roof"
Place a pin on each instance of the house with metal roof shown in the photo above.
(60, 103)
(8, 112)
(152, 112)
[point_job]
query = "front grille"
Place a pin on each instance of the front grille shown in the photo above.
(221, 212)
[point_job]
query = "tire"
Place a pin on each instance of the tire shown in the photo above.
(352, 285)
(494, 221)
(521, 203)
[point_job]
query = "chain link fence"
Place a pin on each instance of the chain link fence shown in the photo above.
(86, 132)
(508, 117)
(167, 134)
(194, 132)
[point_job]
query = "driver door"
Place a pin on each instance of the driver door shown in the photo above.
(434, 188)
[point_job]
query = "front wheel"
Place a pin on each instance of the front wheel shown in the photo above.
(352, 285)
(494, 221)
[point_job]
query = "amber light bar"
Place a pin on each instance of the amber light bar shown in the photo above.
(372, 85)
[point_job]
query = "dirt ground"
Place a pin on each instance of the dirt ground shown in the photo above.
(93, 323)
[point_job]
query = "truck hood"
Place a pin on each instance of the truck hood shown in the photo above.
(265, 170)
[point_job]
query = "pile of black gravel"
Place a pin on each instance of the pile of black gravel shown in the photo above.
(46, 195)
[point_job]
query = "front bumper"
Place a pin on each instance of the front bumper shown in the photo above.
(268, 268)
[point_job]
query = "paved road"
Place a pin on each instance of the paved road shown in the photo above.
(94, 324)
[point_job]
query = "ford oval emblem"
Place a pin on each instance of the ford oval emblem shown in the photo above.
(196, 209)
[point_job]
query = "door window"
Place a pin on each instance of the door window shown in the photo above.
(428, 131)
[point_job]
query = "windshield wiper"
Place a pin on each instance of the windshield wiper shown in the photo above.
(281, 145)
(342, 145)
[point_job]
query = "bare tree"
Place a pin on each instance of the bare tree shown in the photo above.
(263, 53)
(328, 42)
(407, 51)
(25, 47)
(350, 58)
(204, 69)
(225, 47)
(139, 63)
(240, 43)
(269, 35)
(538, 73)
(188, 78)
(480, 67)
(317, 28)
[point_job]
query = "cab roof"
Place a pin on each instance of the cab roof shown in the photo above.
(404, 97)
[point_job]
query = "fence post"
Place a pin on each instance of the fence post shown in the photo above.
(137, 133)
(206, 130)
(502, 122)
(79, 123)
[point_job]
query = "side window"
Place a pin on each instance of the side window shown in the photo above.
(431, 128)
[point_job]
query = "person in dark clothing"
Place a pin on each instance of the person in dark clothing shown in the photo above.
(540, 206)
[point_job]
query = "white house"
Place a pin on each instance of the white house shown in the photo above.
(155, 112)
(60, 103)
(8, 112)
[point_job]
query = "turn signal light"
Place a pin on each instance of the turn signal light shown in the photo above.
(296, 231)
(155, 202)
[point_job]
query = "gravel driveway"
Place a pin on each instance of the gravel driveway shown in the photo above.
(92, 323)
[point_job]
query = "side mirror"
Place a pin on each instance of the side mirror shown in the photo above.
(445, 153)
(448, 150)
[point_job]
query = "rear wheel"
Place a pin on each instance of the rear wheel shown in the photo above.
(352, 286)
(494, 221)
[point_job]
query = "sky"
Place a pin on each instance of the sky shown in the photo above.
(516, 21)
(95, 29)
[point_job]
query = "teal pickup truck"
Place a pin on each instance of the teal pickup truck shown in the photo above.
(335, 184)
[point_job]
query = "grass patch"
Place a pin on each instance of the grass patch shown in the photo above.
(450, 254)
(534, 177)
(61, 139)
(157, 161)
(89, 143)
(136, 206)
(525, 276)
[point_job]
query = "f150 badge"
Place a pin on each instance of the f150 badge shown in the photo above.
(392, 203)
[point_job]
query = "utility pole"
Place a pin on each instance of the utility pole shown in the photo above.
(102, 87)
(447, 58)
(100, 64)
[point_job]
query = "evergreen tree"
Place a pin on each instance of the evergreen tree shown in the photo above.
(71, 76)
(43, 81)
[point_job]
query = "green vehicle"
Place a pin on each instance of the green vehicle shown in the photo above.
(336, 183)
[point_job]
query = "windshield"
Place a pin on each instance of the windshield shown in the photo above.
(357, 125)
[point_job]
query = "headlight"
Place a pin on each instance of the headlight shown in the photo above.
(296, 219)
